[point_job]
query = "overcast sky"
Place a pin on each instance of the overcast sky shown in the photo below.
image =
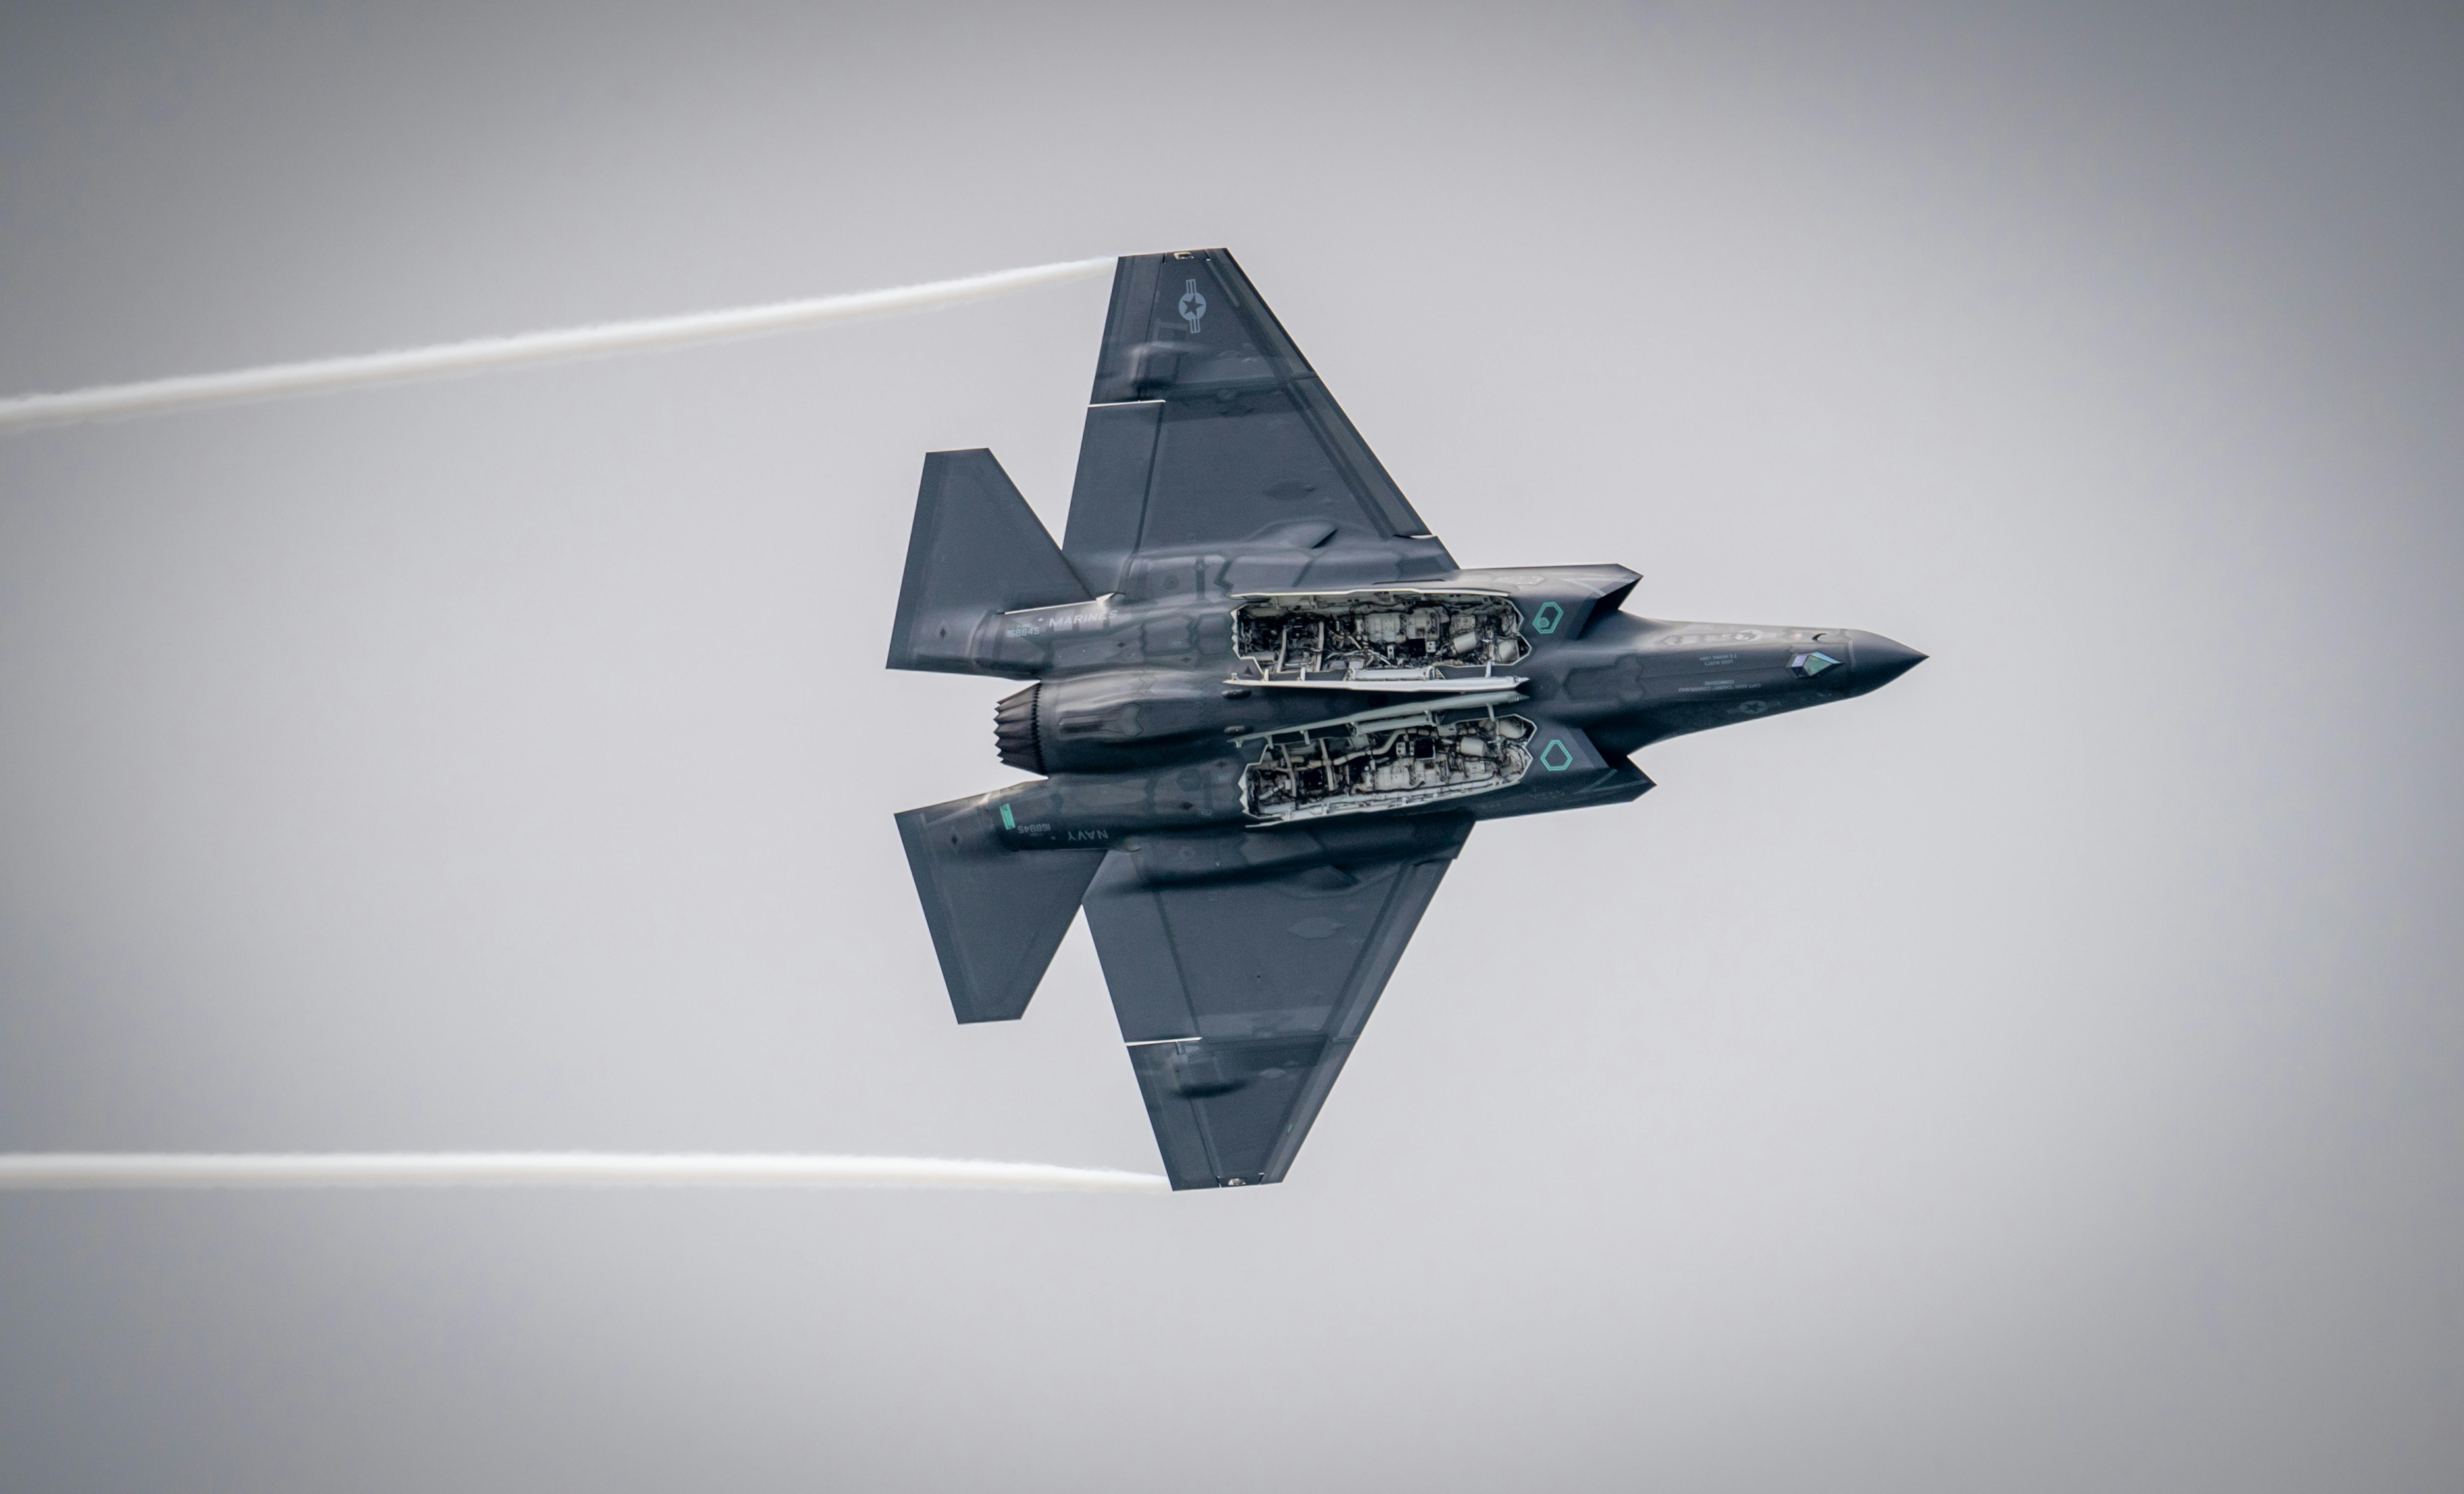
(2040, 1075)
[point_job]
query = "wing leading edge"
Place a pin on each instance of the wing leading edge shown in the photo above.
(1209, 429)
(1242, 967)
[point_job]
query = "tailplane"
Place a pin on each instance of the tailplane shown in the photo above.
(997, 915)
(977, 549)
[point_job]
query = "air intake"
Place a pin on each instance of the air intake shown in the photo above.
(1014, 731)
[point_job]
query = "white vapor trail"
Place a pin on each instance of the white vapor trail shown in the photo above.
(529, 347)
(27, 1170)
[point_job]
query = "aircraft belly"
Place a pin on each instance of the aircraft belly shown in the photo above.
(1072, 811)
(1264, 709)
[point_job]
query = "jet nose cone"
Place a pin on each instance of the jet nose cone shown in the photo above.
(1875, 661)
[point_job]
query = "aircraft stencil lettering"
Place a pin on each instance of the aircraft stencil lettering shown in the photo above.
(1260, 730)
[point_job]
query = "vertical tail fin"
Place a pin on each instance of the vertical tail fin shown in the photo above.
(977, 548)
(997, 915)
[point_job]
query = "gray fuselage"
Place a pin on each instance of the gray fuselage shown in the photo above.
(1146, 717)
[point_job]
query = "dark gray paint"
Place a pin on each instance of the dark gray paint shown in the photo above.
(975, 542)
(996, 918)
(1243, 954)
(2043, 1080)
(1214, 430)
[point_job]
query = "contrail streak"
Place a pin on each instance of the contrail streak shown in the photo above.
(27, 1170)
(530, 347)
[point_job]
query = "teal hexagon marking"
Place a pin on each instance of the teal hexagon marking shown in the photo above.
(1547, 618)
(1556, 757)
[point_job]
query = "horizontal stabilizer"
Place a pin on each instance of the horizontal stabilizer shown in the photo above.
(997, 915)
(977, 549)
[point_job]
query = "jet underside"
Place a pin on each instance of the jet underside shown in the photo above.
(1264, 709)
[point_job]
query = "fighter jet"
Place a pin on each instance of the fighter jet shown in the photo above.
(1264, 707)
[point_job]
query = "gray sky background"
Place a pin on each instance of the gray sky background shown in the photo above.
(2040, 1075)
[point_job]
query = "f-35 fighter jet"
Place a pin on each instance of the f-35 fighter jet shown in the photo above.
(1264, 708)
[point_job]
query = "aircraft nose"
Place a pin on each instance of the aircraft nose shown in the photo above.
(1875, 661)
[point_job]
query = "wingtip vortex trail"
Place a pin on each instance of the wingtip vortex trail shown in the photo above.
(90, 1170)
(329, 374)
